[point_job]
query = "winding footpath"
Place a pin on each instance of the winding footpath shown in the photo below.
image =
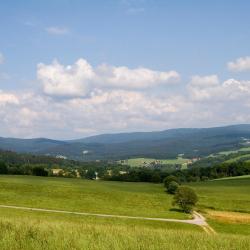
(198, 219)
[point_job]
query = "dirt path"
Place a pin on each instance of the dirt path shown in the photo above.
(197, 220)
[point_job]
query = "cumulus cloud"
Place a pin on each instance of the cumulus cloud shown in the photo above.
(108, 98)
(116, 110)
(8, 98)
(139, 78)
(1, 58)
(66, 80)
(240, 64)
(207, 88)
(54, 30)
(80, 79)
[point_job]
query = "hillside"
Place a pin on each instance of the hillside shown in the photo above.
(192, 142)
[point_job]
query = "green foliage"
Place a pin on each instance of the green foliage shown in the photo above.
(90, 175)
(185, 198)
(39, 171)
(3, 168)
(172, 187)
(169, 179)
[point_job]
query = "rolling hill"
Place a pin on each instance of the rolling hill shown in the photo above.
(192, 142)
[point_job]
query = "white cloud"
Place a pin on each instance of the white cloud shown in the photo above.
(8, 98)
(107, 98)
(54, 30)
(66, 80)
(139, 78)
(80, 79)
(209, 88)
(240, 64)
(122, 110)
(1, 58)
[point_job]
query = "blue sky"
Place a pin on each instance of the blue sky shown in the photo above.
(192, 38)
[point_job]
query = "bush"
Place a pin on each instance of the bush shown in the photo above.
(3, 168)
(39, 171)
(185, 198)
(169, 179)
(172, 187)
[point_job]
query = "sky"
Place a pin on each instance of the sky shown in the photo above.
(75, 68)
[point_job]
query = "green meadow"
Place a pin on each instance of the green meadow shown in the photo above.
(118, 198)
(45, 230)
(227, 194)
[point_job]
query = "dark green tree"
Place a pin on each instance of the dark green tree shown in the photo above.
(185, 198)
(39, 171)
(169, 179)
(90, 174)
(172, 187)
(3, 168)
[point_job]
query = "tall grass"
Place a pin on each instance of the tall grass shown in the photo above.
(32, 234)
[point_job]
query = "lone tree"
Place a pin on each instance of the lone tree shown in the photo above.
(185, 198)
(172, 187)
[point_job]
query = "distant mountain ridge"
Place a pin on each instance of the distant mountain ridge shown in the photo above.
(191, 142)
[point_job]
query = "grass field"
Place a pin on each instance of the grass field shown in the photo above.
(26, 232)
(134, 199)
(228, 194)
(43, 230)
(138, 162)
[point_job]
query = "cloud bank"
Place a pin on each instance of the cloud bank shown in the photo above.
(81, 99)
(80, 79)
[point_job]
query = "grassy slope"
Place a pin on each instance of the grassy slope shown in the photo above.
(135, 199)
(36, 230)
(227, 194)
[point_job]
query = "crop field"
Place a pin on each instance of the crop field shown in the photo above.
(44, 230)
(138, 162)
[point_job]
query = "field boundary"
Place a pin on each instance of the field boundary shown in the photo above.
(198, 219)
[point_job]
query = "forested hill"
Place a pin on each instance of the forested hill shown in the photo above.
(191, 142)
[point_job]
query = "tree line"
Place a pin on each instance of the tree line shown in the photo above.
(26, 164)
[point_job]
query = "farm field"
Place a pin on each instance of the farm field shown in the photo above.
(44, 230)
(137, 162)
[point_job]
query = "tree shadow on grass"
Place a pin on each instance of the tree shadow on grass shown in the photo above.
(176, 210)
